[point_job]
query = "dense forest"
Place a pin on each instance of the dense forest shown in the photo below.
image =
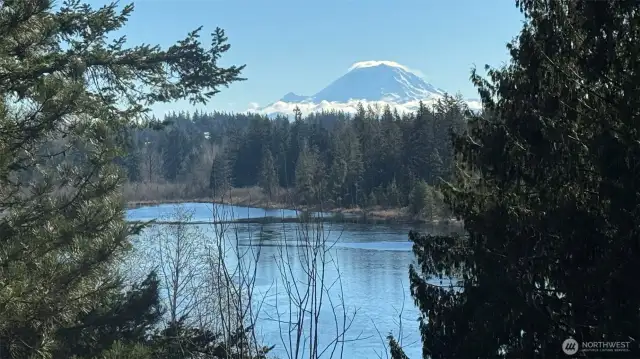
(68, 91)
(374, 157)
(545, 178)
(548, 184)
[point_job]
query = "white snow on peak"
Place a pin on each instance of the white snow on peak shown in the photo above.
(351, 106)
(365, 64)
(376, 83)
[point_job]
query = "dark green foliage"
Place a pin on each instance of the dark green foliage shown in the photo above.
(392, 194)
(220, 180)
(548, 188)
(310, 176)
(123, 317)
(436, 166)
(131, 161)
(395, 349)
(178, 341)
(177, 150)
(391, 147)
(246, 169)
(268, 176)
(419, 197)
(68, 95)
(360, 154)
(127, 324)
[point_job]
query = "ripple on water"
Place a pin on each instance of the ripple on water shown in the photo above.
(373, 265)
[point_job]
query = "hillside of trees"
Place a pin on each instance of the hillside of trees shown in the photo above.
(546, 180)
(67, 94)
(375, 157)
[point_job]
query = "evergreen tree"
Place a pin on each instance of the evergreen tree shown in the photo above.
(548, 190)
(268, 176)
(338, 167)
(393, 196)
(362, 154)
(246, 170)
(390, 148)
(62, 230)
(355, 170)
(132, 160)
(310, 177)
(336, 180)
(173, 154)
(396, 349)
(449, 120)
(220, 179)
(295, 147)
(281, 143)
(436, 165)
(179, 341)
(131, 163)
(420, 144)
(372, 200)
(419, 198)
(121, 317)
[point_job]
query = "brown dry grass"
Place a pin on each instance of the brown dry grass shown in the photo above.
(378, 213)
(255, 197)
(156, 192)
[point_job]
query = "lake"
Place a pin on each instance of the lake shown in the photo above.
(370, 261)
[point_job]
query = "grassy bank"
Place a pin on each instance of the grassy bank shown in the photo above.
(141, 195)
(272, 219)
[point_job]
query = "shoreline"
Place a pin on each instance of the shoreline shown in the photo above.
(376, 215)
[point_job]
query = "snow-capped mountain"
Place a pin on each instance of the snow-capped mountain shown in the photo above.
(370, 83)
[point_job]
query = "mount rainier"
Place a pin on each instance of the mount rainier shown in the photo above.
(373, 83)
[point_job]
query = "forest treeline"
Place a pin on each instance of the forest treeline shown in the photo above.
(68, 91)
(545, 178)
(374, 157)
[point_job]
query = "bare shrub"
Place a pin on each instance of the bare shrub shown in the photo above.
(176, 253)
(230, 279)
(209, 278)
(303, 263)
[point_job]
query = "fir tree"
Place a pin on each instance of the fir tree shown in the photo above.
(548, 190)
(420, 143)
(436, 167)
(220, 178)
(174, 154)
(393, 194)
(125, 318)
(310, 176)
(362, 154)
(268, 176)
(419, 198)
(62, 230)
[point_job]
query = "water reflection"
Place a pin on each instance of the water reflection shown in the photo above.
(209, 212)
(372, 262)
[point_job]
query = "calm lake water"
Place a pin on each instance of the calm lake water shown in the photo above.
(371, 260)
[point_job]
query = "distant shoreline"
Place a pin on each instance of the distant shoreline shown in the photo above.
(340, 215)
(253, 198)
(350, 215)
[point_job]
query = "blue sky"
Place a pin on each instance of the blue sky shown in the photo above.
(301, 46)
